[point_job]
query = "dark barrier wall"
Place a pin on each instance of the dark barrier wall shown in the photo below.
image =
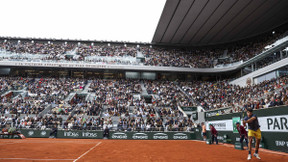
(274, 127)
(152, 135)
(6, 136)
(30, 133)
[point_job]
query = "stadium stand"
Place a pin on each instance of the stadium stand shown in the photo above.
(114, 100)
(92, 103)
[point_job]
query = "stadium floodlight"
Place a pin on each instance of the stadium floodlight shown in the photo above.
(32, 41)
(150, 46)
(273, 32)
(109, 44)
(92, 44)
(19, 41)
(125, 45)
(5, 40)
(49, 42)
(138, 45)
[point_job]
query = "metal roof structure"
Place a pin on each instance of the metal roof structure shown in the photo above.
(210, 22)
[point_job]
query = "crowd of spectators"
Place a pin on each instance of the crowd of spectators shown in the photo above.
(142, 108)
(85, 50)
(166, 96)
(52, 51)
(11, 83)
(91, 108)
(204, 57)
(155, 124)
(117, 95)
(140, 124)
(38, 94)
(120, 98)
(31, 122)
(157, 56)
(85, 122)
(208, 57)
(215, 95)
(179, 124)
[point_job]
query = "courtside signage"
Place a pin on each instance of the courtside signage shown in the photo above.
(221, 125)
(181, 136)
(235, 120)
(267, 124)
(141, 136)
(274, 123)
(161, 136)
(113, 135)
(119, 135)
(71, 134)
(89, 134)
(43, 133)
(30, 133)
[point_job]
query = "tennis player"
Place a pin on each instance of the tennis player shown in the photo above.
(253, 131)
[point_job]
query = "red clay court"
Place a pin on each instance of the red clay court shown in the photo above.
(37, 149)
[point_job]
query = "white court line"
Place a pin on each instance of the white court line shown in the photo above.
(34, 159)
(87, 151)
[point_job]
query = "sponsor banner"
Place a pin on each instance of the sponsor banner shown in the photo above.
(160, 136)
(151, 135)
(282, 143)
(180, 136)
(80, 134)
(216, 112)
(43, 133)
(29, 133)
(119, 135)
(141, 136)
(68, 65)
(235, 120)
(189, 108)
(274, 123)
(35, 133)
(72, 134)
(267, 124)
(90, 134)
(7, 136)
(220, 125)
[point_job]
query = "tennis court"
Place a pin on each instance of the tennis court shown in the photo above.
(37, 149)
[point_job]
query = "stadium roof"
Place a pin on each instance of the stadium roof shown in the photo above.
(207, 22)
